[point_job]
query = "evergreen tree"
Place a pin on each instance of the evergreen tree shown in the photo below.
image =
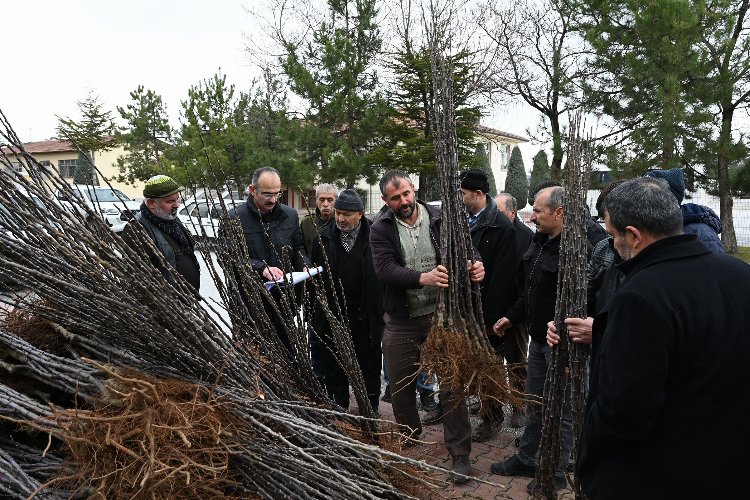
(540, 172)
(409, 129)
(146, 137)
(335, 73)
(92, 132)
(672, 74)
(483, 163)
(269, 139)
(84, 172)
(516, 183)
(646, 57)
(211, 147)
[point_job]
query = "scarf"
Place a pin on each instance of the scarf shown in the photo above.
(171, 228)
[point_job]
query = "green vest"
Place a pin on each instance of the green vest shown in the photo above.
(419, 255)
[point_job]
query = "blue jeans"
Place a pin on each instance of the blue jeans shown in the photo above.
(528, 448)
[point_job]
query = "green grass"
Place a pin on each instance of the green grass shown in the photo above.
(743, 253)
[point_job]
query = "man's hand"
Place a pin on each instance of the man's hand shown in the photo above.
(437, 277)
(476, 271)
(272, 273)
(552, 337)
(501, 325)
(579, 331)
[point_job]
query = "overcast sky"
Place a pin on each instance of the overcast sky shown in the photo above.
(53, 52)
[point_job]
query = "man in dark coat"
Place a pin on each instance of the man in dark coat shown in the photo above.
(508, 205)
(668, 395)
(158, 218)
(536, 306)
(517, 341)
(264, 212)
(494, 238)
(325, 195)
(272, 235)
(346, 244)
(405, 250)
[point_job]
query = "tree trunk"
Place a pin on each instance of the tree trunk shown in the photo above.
(557, 150)
(728, 236)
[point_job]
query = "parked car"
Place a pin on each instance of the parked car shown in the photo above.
(116, 208)
(201, 214)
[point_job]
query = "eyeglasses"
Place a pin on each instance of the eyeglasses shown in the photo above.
(270, 196)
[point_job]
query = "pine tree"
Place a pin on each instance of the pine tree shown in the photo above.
(483, 163)
(146, 137)
(92, 132)
(334, 72)
(211, 148)
(516, 183)
(409, 129)
(540, 172)
(84, 171)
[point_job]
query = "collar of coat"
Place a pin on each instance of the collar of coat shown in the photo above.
(669, 248)
(432, 212)
(488, 217)
(544, 241)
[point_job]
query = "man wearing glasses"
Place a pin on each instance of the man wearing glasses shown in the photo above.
(264, 214)
(272, 234)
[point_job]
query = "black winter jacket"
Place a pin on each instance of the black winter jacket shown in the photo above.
(536, 304)
(674, 341)
(282, 227)
(494, 236)
(371, 298)
(161, 243)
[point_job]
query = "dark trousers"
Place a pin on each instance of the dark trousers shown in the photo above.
(401, 341)
(369, 356)
(540, 355)
(514, 351)
(512, 347)
(316, 355)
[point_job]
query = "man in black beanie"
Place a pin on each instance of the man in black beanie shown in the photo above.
(346, 244)
(158, 218)
(494, 237)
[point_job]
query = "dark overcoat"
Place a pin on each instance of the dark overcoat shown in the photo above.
(668, 402)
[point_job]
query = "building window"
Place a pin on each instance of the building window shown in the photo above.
(16, 166)
(46, 164)
(67, 168)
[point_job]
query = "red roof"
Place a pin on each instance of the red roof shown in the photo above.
(52, 146)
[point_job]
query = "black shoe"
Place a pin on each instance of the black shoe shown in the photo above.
(517, 419)
(513, 467)
(560, 484)
(386, 394)
(474, 405)
(427, 400)
(432, 417)
(461, 469)
(485, 431)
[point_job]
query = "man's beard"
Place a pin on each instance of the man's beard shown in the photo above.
(405, 211)
(161, 214)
